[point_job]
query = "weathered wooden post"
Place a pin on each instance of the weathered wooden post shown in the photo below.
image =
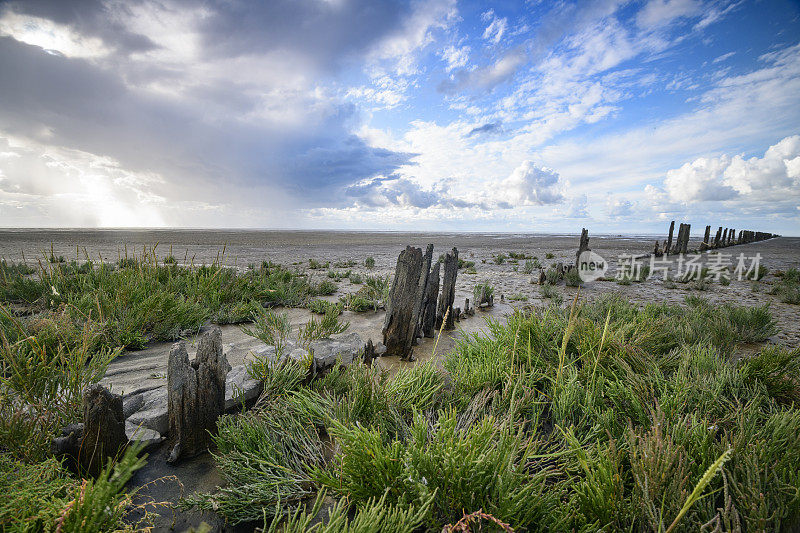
(431, 296)
(423, 287)
(668, 246)
(445, 311)
(369, 353)
(705, 245)
(100, 437)
(195, 394)
(677, 248)
(656, 249)
(402, 310)
(583, 246)
(103, 428)
(685, 242)
(718, 237)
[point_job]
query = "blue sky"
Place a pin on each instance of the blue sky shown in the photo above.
(440, 115)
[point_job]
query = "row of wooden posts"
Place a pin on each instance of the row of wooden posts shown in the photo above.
(724, 237)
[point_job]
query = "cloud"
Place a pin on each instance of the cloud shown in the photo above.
(489, 127)
(75, 28)
(402, 192)
(529, 184)
(724, 57)
(497, 27)
(269, 136)
(659, 13)
(699, 181)
(486, 76)
(618, 208)
(455, 57)
(771, 182)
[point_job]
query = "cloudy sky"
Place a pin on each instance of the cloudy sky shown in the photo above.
(428, 115)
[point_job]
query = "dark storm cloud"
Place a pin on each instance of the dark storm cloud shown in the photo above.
(89, 17)
(324, 32)
(191, 141)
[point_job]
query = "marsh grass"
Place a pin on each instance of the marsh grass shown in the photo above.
(601, 416)
(787, 288)
(572, 278)
(321, 328)
(42, 497)
(481, 293)
(43, 378)
(142, 299)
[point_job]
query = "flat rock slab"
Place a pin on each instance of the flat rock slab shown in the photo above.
(145, 436)
(345, 347)
(147, 409)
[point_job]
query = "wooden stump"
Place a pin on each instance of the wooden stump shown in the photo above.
(656, 250)
(685, 241)
(583, 246)
(668, 246)
(705, 245)
(429, 308)
(195, 395)
(422, 294)
(402, 310)
(718, 237)
(101, 436)
(369, 353)
(445, 311)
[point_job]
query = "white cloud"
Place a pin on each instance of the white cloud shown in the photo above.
(768, 184)
(723, 57)
(496, 29)
(455, 57)
(530, 184)
(699, 181)
(659, 13)
(618, 207)
(416, 33)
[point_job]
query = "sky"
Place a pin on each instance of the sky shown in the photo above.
(436, 115)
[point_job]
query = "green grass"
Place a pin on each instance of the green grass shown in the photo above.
(481, 293)
(788, 287)
(142, 300)
(43, 497)
(572, 278)
(321, 307)
(549, 291)
(313, 264)
(369, 262)
(603, 416)
(465, 264)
